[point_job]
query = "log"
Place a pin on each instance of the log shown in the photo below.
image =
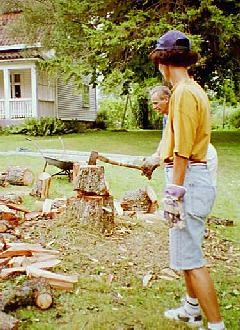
(8, 322)
(32, 292)
(42, 186)
(56, 280)
(11, 272)
(20, 176)
(3, 181)
(11, 198)
(76, 167)
(91, 181)
(24, 249)
(3, 226)
(37, 259)
(142, 199)
(3, 244)
(96, 212)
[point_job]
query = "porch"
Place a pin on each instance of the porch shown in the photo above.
(18, 91)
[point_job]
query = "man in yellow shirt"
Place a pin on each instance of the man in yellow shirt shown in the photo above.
(160, 97)
(189, 184)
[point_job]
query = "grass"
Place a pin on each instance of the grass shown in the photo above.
(124, 305)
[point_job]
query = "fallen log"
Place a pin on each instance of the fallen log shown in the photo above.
(8, 322)
(42, 186)
(11, 272)
(23, 261)
(19, 176)
(33, 292)
(11, 198)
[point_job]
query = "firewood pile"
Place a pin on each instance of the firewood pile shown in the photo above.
(93, 205)
(34, 261)
(143, 200)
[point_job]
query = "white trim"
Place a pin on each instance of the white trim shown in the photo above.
(34, 91)
(19, 46)
(18, 67)
(7, 95)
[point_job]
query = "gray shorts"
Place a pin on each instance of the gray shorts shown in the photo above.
(185, 245)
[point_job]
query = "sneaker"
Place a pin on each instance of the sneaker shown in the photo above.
(179, 314)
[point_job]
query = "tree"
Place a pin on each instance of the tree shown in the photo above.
(112, 38)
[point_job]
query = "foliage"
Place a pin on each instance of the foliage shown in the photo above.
(39, 127)
(234, 119)
(110, 39)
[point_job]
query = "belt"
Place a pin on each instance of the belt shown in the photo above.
(170, 164)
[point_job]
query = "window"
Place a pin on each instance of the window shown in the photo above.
(15, 80)
(85, 96)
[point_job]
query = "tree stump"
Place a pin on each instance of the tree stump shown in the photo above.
(42, 186)
(91, 180)
(96, 212)
(19, 176)
(33, 292)
(8, 322)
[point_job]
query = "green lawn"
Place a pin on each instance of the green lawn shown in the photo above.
(125, 305)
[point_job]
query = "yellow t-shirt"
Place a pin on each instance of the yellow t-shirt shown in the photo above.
(188, 128)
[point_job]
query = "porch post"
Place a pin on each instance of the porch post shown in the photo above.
(34, 91)
(7, 94)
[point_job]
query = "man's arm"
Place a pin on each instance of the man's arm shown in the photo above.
(179, 169)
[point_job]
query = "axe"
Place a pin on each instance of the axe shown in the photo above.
(95, 155)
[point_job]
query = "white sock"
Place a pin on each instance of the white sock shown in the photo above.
(216, 326)
(191, 306)
(191, 300)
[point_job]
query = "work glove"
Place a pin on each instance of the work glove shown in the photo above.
(149, 165)
(173, 205)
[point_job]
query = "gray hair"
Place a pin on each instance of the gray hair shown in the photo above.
(160, 90)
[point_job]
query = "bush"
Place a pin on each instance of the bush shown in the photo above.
(39, 127)
(234, 119)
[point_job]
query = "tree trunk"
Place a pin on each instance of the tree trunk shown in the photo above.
(33, 292)
(8, 322)
(20, 176)
(91, 181)
(42, 186)
(96, 212)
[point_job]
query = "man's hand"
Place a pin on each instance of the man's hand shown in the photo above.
(149, 165)
(173, 205)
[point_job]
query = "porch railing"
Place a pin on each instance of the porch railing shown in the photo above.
(18, 108)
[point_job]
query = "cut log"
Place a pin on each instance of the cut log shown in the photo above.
(20, 176)
(8, 322)
(91, 181)
(3, 226)
(24, 249)
(23, 261)
(11, 198)
(76, 167)
(96, 212)
(3, 244)
(3, 181)
(57, 280)
(42, 186)
(32, 292)
(11, 272)
(143, 199)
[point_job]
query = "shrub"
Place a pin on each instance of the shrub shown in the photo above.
(39, 127)
(234, 119)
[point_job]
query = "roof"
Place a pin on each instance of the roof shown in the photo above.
(19, 54)
(6, 38)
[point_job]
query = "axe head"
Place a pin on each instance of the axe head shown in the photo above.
(93, 158)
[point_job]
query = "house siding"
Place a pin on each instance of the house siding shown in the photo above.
(46, 95)
(70, 103)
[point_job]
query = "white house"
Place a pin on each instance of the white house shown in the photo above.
(27, 92)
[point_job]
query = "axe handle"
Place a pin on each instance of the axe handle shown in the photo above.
(113, 162)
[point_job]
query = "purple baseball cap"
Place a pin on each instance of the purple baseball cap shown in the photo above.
(173, 39)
